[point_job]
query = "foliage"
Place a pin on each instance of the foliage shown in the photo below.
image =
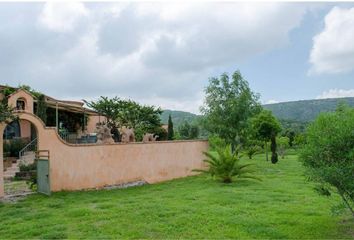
(13, 146)
(161, 133)
(7, 90)
(229, 104)
(305, 111)
(28, 167)
(283, 206)
(6, 113)
(178, 117)
(265, 127)
(128, 113)
(41, 111)
(329, 152)
(252, 148)
(188, 131)
(273, 148)
(216, 142)
(283, 144)
(170, 133)
(225, 165)
(299, 140)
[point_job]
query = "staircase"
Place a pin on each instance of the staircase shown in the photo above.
(26, 156)
(11, 171)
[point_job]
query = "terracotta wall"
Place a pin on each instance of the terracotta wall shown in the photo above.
(92, 121)
(75, 167)
(25, 129)
(21, 94)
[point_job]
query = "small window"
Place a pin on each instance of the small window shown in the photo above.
(20, 104)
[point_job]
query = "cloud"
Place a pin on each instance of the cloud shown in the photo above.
(333, 48)
(62, 17)
(157, 53)
(336, 93)
(271, 101)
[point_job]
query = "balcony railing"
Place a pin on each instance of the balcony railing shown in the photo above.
(74, 138)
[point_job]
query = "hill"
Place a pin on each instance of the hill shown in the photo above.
(306, 110)
(293, 114)
(178, 117)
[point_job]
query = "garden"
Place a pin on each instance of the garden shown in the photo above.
(282, 205)
(261, 181)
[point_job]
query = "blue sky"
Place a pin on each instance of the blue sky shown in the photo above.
(164, 53)
(283, 74)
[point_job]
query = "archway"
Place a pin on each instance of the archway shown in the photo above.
(19, 146)
(31, 127)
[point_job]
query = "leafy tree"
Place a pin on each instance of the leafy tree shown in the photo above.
(128, 113)
(283, 143)
(6, 113)
(291, 136)
(228, 105)
(299, 140)
(170, 133)
(226, 165)
(188, 131)
(329, 153)
(42, 108)
(266, 127)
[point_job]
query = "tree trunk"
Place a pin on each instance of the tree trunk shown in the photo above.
(273, 148)
(266, 150)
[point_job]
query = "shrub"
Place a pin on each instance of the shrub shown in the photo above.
(13, 146)
(329, 152)
(226, 165)
(252, 150)
(283, 145)
(216, 142)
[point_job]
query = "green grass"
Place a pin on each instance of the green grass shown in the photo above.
(283, 205)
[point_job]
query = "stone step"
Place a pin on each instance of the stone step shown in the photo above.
(29, 153)
(13, 169)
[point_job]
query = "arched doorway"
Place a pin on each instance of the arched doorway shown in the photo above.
(19, 146)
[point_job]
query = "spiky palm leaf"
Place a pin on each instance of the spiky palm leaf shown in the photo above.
(226, 165)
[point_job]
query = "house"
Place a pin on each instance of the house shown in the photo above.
(71, 118)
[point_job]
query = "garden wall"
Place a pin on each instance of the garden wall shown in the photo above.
(75, 167)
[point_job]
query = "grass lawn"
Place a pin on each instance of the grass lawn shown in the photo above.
(283, 205)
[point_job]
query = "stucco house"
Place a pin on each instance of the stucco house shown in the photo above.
(69, 116)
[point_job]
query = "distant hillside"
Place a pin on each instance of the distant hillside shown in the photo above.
(306, 110)
(178, 117)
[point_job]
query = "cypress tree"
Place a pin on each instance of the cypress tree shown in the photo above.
(273, 148)
(170, 133)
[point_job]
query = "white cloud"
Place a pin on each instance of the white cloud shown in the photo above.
(271, 101)
(157, 53)
(62, 16)
(336, 93)
(333, 48)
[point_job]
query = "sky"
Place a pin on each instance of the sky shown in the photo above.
(164, 53)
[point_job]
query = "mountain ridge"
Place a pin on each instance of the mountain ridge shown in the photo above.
(299, 111)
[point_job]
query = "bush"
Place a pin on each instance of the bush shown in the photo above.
(252, 150)
(216, 142)
(13, 146)
(329, 152)
(226, 165)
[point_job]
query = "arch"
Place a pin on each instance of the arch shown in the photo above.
(37, 123)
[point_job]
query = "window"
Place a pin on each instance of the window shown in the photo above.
(20, 104)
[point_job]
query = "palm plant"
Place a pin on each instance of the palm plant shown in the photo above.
(226, 165)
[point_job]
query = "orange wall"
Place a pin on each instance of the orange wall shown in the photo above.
(93, 120)
(23, 95)
(25, 129)
(76, 167)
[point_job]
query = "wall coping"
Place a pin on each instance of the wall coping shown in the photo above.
(21, 112)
